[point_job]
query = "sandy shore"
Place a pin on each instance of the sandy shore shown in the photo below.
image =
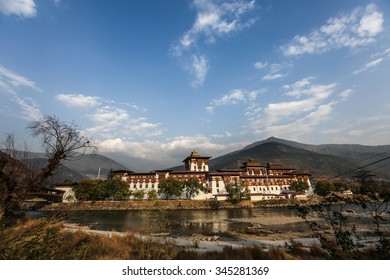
(201, 243)
(265, 232)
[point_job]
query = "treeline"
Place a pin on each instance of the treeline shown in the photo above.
(116, 189)
(111, 189)
(363, 183)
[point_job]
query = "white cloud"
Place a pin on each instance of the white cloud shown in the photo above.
(297, 128)
(372, 130)
(169, 152)
(223, 135)
(79, 100)
(371, 23)
(12, 84)
(22, 8)
(260, 65)
(356, 28)
(378, 58)
(30, 109)
(109, 115)
(16, 80)
(275, 69)
(345, 94)
(213, 19)
(305, 87)
(235, 96)
(199, 68)
(294, 116)
(270, 77)
(111, 121)
(369, 65)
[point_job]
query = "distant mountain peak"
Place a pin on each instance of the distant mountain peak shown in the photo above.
(325, 160)
(272, 138)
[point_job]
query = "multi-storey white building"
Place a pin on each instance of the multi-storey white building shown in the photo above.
(266, 181)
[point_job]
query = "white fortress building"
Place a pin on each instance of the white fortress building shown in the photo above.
(264, 182)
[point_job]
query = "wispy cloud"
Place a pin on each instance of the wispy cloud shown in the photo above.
(199, 67)
(235, 96)
(22, 8)
(111, 121)
(276, 71)
(368, 66)
(79, 100)
(379, 58)
(296, 128)
(374, 129)
(12, 85)
(213, 19)
(110, 118)
(17, 80)
(270, 77)
(260, 65)
(30, 109)
(305, 87)
(346, 93)
(309, 107)
(356, 28)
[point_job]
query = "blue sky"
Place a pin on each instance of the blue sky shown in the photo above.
(150, 81)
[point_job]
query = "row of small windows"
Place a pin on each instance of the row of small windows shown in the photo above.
(264, 188)
(285, 188)
(146, 186)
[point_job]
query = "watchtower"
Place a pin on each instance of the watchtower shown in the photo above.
(196, 162)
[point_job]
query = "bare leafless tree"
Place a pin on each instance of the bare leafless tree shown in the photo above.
(61, 141)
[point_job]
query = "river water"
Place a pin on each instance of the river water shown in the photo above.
(181, 222)
(188, 222)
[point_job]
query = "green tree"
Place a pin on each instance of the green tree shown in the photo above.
(340, 186)
(170, 187)
(90, 189)
(323, 188)
(152, 195)
(139, 194)
(116, 189)
(367, 184)
(237, 192)
(299, 186)
(192, 187)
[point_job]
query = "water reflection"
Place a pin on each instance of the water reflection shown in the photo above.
(182, 222)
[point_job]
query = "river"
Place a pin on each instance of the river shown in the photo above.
(188, 222)
(181, 222)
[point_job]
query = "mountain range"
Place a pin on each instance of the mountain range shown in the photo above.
(321, 161)
(89, 166)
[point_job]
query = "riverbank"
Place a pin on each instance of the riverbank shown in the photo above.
(163, 204)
